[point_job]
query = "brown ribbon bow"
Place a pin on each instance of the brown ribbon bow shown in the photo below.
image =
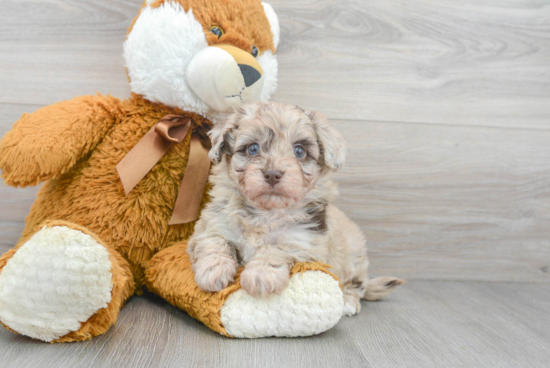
(170, 130)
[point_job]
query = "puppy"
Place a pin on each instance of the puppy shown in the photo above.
(271, 206)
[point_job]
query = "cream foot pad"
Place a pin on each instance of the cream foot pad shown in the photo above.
(54, 282)
(312, 303)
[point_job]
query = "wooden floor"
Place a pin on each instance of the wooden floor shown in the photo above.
(426, 324)
(446, 109)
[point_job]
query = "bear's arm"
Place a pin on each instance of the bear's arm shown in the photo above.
(47, 143)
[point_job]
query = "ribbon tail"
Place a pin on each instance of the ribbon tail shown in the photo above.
(147, 152)
(192, 187)
(141, 159)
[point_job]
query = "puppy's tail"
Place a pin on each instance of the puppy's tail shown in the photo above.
(381, 286)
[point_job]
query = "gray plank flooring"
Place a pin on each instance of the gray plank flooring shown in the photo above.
(446, 109)
(424, 324)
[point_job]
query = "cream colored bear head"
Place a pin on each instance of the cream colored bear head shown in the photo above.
(204, 56)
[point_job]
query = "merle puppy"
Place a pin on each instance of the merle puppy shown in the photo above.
(271, 206)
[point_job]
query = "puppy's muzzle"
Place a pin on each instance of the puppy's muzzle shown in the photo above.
(224, 76)
(273, 177)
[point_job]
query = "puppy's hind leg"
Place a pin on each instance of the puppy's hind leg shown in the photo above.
(352, 301)
(351, 263)
(354, 288)
(375, 289)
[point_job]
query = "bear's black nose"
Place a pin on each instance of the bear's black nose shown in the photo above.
(250, 74)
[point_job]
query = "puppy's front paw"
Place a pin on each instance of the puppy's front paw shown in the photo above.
(215, 272)
(261, 280)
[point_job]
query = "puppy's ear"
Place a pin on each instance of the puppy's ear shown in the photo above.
(333, 145)
(220, 137)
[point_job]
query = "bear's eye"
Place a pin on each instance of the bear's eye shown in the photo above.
(299, 151)
(217, 31)
(255, 51)
(253, 149)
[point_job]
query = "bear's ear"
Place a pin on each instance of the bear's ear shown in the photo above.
(221, 137)
(274, 22)
(333, 145)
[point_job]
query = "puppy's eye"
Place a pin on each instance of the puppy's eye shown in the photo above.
(255, 51)
(253, 149)
(217, 31)
(299, 151)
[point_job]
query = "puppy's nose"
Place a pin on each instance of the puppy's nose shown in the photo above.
(273, 176)
(250, 74)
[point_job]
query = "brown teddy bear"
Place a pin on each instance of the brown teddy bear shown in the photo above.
(124, 181)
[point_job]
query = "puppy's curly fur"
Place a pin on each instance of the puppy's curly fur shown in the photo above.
(271, 206)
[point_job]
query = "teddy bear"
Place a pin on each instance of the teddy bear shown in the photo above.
(124, 181)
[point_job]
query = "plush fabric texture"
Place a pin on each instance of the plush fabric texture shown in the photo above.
(70, 275)
(270, 65)
(157, 62)
(166, 40)
(215, 76)
(30, 153)
(55, 281)
(82, 218)
(313, 303)
(90, 193)
(250, 27)
(273, 22)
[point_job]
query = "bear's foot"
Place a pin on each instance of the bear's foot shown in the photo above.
(311, 304)
(59, 284)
